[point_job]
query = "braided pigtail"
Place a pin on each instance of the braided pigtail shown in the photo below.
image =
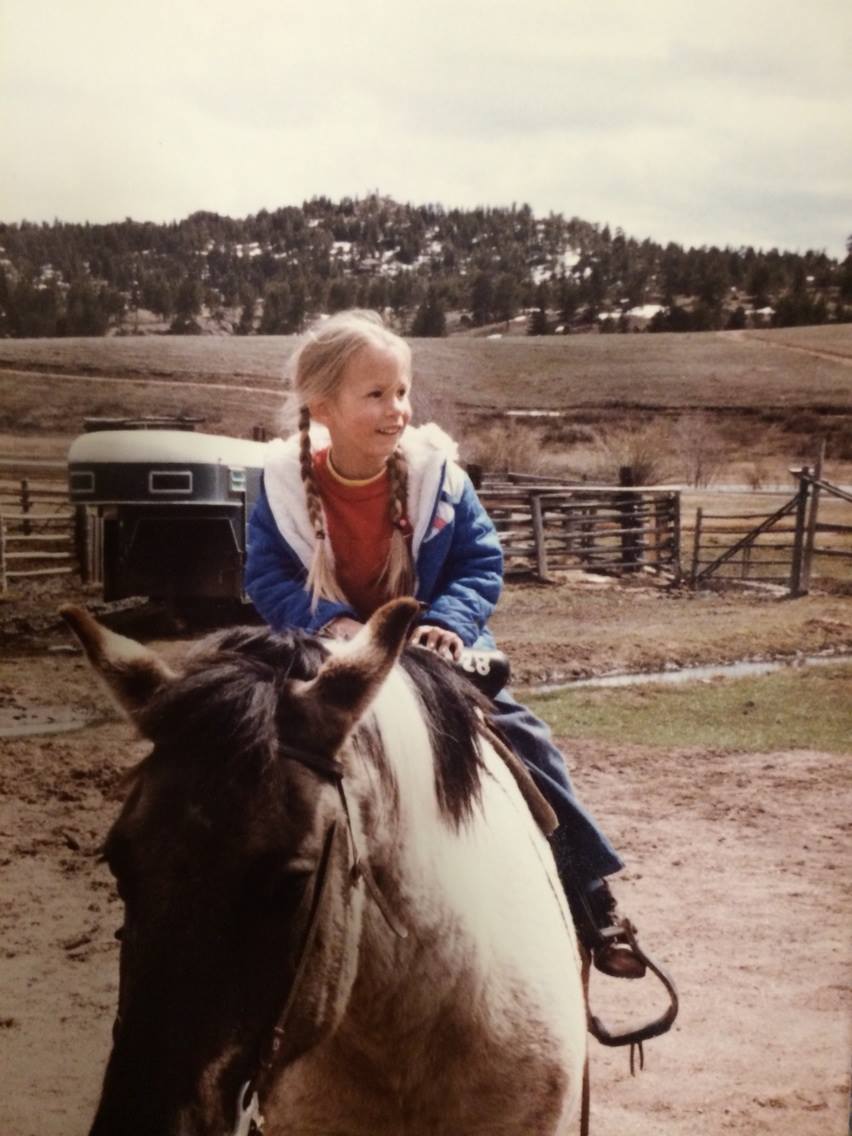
(398, 572)
(322, 583)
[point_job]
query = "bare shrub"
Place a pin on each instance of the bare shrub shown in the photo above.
(645, 448)
(504, 446)
(700, 449)
(567, 434)
(756, 475)
(839, 442)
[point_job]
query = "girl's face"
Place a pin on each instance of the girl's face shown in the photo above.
(369, 411)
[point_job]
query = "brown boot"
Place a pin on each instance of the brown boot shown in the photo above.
(601, 932)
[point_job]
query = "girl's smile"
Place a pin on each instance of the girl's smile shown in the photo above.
(369, 412)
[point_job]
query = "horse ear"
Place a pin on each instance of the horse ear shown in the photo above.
(349, 680)
(132, 673)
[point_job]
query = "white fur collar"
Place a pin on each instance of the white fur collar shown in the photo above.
(428, 451)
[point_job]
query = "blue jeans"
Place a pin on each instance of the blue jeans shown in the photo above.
(582, 852)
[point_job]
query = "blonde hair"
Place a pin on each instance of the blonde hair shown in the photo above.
(316, 371)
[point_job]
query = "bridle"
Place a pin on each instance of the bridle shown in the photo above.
(249, 1119)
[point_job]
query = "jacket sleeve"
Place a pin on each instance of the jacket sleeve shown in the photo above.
(276, 579)
(471, 578)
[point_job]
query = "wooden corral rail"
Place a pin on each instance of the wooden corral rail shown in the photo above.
(784, 546)
(36, 531)
(760, 549)
(545, 525)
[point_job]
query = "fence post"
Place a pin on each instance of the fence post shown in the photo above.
(675, 543)
(474, 472)
(803, 475)
(80, 543)
(810, 531)
(538, 535)
(696, 546)
(746, 561)
(631, 540)
(26, 504)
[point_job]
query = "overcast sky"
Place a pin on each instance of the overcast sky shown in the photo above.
(712, 122)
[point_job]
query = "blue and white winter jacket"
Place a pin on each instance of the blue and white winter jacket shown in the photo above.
(457, 557)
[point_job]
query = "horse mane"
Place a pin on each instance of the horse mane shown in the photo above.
(453, 709)
(224, 708)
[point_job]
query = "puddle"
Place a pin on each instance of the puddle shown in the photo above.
(18, 722)
(696, 674)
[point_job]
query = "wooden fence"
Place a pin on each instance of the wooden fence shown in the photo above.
(548, 525)
(788, 546)
(36, 531)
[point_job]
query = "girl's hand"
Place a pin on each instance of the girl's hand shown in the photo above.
(446, 643)
(344, 627)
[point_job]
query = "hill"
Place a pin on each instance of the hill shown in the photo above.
(431, 270)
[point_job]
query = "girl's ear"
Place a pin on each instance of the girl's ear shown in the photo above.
(319, 411)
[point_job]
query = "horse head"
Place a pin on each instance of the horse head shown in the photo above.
(233, 856)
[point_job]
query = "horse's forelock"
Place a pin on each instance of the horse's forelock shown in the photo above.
(290, 654)
(226, 709)
(225, 705)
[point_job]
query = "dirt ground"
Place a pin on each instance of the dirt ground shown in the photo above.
(737, 871)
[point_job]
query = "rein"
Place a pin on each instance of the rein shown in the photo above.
(249, 1118)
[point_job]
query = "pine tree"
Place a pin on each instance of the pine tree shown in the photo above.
(276, 318)
(481, 299)
(430, 320)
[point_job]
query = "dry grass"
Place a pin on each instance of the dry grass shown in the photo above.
(766, 402)
(660, 371)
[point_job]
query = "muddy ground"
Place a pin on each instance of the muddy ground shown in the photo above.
(738, 873)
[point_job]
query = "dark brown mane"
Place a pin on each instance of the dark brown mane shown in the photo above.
(224, 708)
(450, 706)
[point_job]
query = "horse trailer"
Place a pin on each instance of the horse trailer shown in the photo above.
(163, 513)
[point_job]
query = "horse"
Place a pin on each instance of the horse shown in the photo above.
(340, 917)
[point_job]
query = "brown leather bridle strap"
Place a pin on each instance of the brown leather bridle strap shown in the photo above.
(361, 869)
(249, 1119)
(280, 1028)
(330, 770)
(248, 1104)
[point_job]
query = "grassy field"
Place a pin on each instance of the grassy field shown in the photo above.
(808, 709)
(766, 395)
(654, 371)
(701, 369)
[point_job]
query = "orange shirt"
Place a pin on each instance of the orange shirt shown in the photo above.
(359, 528)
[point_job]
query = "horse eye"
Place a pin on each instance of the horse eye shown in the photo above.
(276, 883)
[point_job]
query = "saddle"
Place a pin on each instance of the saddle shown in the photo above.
(489, 671)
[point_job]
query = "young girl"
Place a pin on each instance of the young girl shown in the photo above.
(358, 507)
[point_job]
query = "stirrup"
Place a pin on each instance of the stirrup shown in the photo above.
(625, 932)
(613, 955)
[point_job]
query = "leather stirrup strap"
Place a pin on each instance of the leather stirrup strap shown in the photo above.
(586, 1096)
(543, 814)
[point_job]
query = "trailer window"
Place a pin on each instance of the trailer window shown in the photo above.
(238, 480)
(170, 481)
(82, 481)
